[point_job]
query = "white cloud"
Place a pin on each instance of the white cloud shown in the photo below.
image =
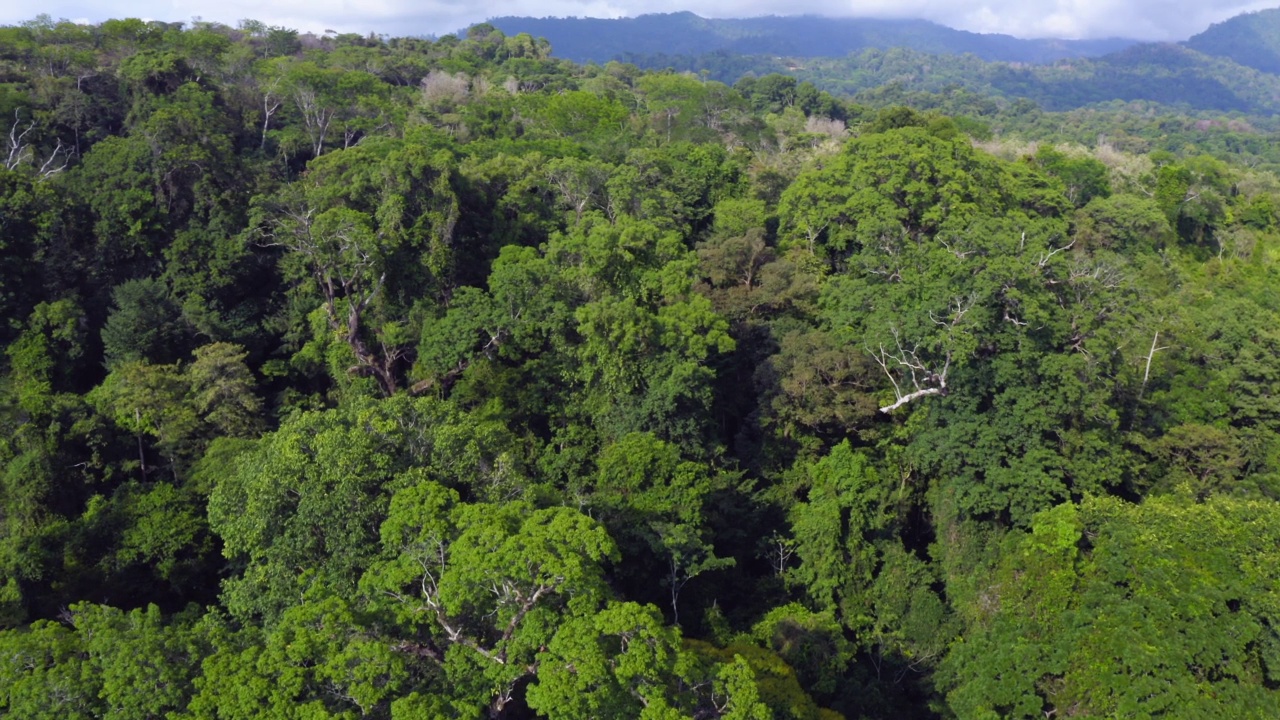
(1142, 19)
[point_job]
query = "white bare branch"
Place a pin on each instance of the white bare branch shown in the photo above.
(1146, 374)
(925, 381)
(50, 167)
(941, 389)
(270, 104)
(959, 307)
(960, 254)
(19, 151)
(905, 363)
(1046, 257)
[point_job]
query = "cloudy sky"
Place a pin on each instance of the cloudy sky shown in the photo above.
(1141, 19)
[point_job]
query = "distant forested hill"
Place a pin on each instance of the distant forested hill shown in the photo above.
(1231, 67)
(1174, 75)
(601, 40)
(1167, 74)
(1163, 73)
(1252, 39)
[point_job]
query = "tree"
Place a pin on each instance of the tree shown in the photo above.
(47, 458)
(813, 384)
(813, 643)
(1121, 222)
(364, 229)
(622, 662)
(150, 400)
(619, 662)
(313, 493)
(102, 662)
(115, 177)
(222, 389)
(581, 185)
(653, 503)
(1111, 608)
(44, 674)
(646, 339)
(28, 209)
(145, 325)
(590, 119)
(1083, 178)
(835, 533)
(479, 589)
(318, 661)
(181, 407)
(331, 105)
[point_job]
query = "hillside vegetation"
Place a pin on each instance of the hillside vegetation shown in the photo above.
(1252, 40)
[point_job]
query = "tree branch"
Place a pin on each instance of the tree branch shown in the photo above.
(1146, 374)
(913, 396)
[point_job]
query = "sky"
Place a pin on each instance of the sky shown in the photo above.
(1137, 19)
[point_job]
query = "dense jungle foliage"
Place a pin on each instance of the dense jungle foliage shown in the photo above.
(399, 378)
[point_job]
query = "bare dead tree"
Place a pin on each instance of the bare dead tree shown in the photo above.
(1146, 373)
(1046, 257)
(779, 549)
(19, 150)
(316, 116)
(270, 104)
(51, 166)
(911, 373)
(442, 89)
(925, 381)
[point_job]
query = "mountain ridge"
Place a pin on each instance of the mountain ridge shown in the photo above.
(685, 33)
(1233, 66)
